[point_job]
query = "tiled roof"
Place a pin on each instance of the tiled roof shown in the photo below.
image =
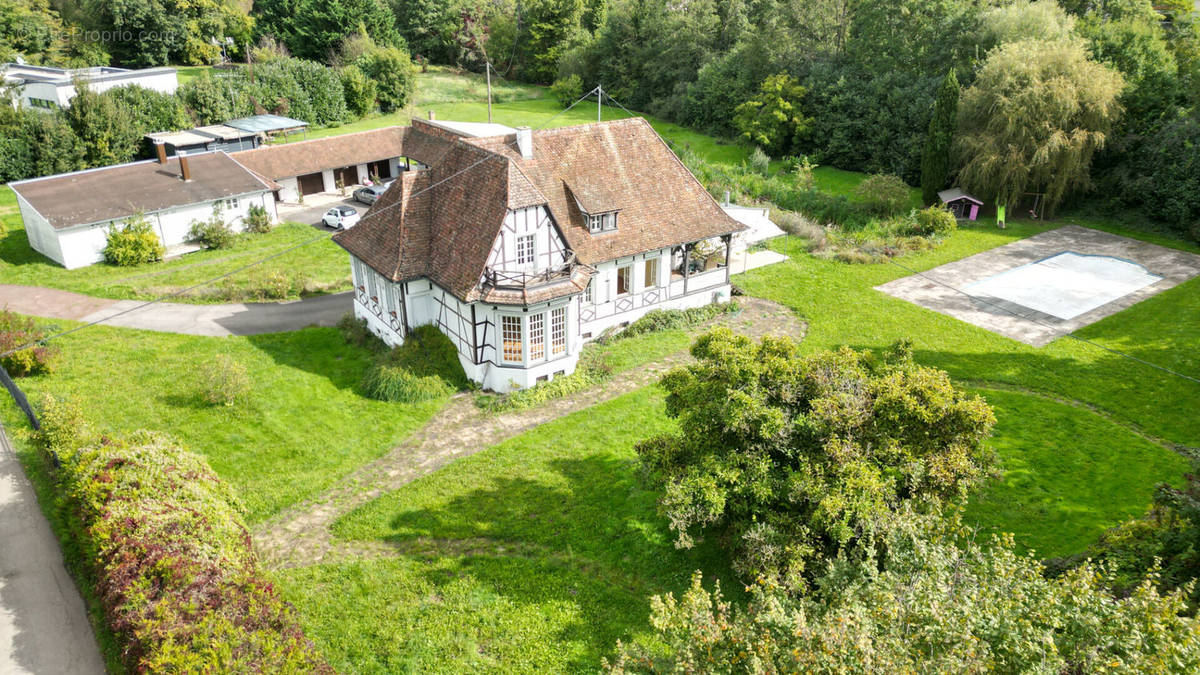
(442, 224)
(621, 165)
(304, 157)
(115, 192)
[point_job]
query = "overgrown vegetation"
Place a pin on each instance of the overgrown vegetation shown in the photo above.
(25, 339)
(224, 381)
(424, 367)
(162, 540)
(213, 232)
(791, 460)
(929, 598)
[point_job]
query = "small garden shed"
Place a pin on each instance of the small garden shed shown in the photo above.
(961, 204)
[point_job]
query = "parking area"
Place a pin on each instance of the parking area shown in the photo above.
(314, 207)
(1043, 287)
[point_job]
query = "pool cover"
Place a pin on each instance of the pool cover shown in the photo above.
(1065, 285)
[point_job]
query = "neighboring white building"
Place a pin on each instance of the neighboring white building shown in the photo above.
(47, 88)
(67, 216)
(521, 247)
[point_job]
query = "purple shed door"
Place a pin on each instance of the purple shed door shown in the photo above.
(974, 211)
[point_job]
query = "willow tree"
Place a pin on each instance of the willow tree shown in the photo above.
(1033, 119)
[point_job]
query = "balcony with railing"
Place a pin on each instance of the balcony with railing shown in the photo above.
(523, 279)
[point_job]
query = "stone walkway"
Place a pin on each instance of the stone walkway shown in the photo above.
(174, 317)
(301, 535)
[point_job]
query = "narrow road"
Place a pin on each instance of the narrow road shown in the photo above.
(174, 317)
(44, 625)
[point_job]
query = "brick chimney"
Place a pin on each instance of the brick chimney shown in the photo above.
(161, 148)
(185, 171)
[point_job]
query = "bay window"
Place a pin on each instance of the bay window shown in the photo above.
(524, 338)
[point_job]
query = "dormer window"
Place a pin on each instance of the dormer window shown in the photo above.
(602, 222)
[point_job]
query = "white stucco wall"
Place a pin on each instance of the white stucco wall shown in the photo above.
(289, 189)
(82, 246)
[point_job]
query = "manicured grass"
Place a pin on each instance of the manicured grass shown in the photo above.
(535, 555)
(303, 426)
(318, 267)
(1069, 474)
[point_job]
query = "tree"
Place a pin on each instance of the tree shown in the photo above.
(159, 32)
(315, 29)
(922, 603)
(1033, 119)
(149, 110)
(935, 160)
(1025, 20)
(428, 27)
(791, 458)
(359, 91)
(772, 119)
(394, 76)
(553, 26)
(102, 125)
(30, 29)
(36, 144)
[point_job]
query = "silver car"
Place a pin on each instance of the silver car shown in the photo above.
(368, 195)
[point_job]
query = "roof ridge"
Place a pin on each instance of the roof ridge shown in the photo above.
(292, 144)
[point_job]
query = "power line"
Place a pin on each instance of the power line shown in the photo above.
(1055, 329)
(201, 284)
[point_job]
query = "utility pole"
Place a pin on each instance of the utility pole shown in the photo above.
(599, 98)
(489, 82)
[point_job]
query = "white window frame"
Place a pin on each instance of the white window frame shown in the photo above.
(602, 222)
(589, 292)
(505, 323)
(628, 269)
(558, 332)
(529, 242)
(651, 281)
(544, 337)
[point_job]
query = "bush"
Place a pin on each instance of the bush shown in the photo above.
(19, 331)
(567, 90)
(134, 243)
(163, 543)
(935, 221)
(667, 319)
(224, 381)
(356, 332)
(212, 233)
(592, 369)
(257, 219)
(63, 426)
(883, 195)
(798, 226)
(760, 163)
(386, 382)
(426, 351)
(394, 76)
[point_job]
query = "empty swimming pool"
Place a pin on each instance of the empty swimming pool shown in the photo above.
(1065, 285)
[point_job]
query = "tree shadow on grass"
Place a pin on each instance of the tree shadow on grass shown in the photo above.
(317, 350)
(15, 249)
(591, 532)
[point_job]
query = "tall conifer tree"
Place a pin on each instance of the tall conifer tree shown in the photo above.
(935, 160)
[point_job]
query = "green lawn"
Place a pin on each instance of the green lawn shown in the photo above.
(318, 267)
(533, 556)
(303, 426)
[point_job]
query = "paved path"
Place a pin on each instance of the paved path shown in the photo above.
(301, 535)
(174, 317)
(44, 626)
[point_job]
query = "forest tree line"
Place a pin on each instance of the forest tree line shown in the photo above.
(1108, 90)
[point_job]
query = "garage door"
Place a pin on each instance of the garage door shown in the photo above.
(311, 184)
(382, 168)
(347, 175)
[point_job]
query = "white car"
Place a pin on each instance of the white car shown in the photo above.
(340, 217)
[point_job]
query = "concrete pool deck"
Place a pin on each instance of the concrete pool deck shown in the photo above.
(945, 289)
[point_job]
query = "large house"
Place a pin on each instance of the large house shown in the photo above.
(68, 216)
(522, 247)
(46, 88)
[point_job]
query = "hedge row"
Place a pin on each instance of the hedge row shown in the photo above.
(163, 541)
